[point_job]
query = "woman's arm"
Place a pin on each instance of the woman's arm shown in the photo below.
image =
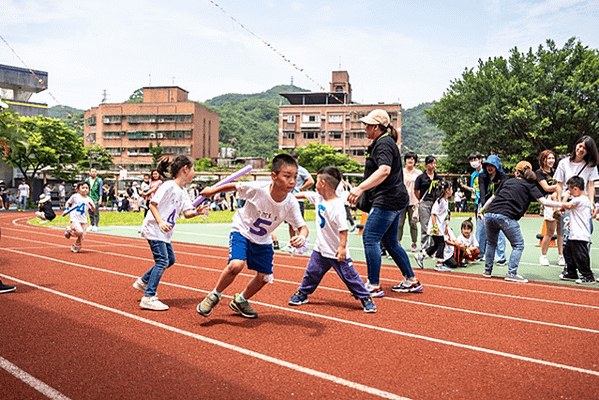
(373, 180)
(546, 187)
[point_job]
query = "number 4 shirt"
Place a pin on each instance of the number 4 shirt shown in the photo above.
(330, 220)
(261, 215)
(80, 206)
(171, 201)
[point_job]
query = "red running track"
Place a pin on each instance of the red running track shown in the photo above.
(74, 330)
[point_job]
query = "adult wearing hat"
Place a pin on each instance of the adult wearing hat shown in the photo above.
(502, 212)
(384, 197)
(45, 211)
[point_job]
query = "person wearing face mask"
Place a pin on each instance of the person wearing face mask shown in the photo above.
(475, 160)
(489, 180)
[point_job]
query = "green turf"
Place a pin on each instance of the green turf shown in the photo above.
(215, 232)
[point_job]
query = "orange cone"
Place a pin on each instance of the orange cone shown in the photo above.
(363, 218)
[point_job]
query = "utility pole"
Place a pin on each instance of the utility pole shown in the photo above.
(104, 96)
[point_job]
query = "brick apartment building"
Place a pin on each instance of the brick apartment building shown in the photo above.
(330, 118)
(165, 115)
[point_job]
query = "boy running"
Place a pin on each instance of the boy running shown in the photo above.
(267, 205)
(330, 249)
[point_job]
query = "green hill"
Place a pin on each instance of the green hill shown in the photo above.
(73, 119)
(418, 134)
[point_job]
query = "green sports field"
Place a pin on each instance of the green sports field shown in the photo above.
(216, 234)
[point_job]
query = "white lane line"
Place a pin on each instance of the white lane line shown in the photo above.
(32, 381)
(568, 327)
(334, 319)
(241, 350)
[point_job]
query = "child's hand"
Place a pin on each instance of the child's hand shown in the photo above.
(165, 226)
(341, 254)
(297, 241)
(435, 230)
(202, 209)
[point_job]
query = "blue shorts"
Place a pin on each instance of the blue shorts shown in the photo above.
(259, 257)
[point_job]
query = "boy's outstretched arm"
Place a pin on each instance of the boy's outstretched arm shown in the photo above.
(298, 240)
(211, 191)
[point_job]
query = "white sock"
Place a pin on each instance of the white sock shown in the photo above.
(219, 294)
(240, 298)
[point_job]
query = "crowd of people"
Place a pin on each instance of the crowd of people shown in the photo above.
(390, 194)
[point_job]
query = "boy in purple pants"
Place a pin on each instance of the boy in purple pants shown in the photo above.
(330, 249)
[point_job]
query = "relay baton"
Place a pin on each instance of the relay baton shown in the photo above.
(228, 179)
(66, 212)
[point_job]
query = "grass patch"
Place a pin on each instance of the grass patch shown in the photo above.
(136, 218)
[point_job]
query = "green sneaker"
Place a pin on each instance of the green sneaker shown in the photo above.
(243, 308)
(206, 306)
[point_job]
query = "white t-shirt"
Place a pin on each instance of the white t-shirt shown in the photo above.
(409, 179)
(61, 191)
(23, 189)
(566, 169)
(440, 209)
(580, 217)
(470, 242)
(330, 220)
(82, 206)
(171, 201)
(261, 215)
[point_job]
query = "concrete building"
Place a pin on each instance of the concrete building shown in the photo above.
(330, 118)
(165, 116)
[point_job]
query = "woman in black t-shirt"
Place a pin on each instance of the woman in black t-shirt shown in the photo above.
(551, 217)
(383, 195)
(502, 213)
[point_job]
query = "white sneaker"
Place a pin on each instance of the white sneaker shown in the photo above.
(94, 229)
(89, 228)
(561, 261)
(75, 248)
(67, 232)
(140, 285)
(288, 248)
(543, 260)
(152, 303)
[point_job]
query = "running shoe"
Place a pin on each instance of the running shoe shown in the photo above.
(414, 248)
(419, 260)
(561, 261)
(298, 299)
(488, 273)
(242, 307)
(375, 291)
(152, 303)
(565, 277)
(75, 248)
(442, 268)
(206, 306)
(288, 248)
(585, 280)
(6, 288)
(140, 285)
(368, 305)
(543, 260)
(408, 287)
(515, 278)
(67, 232)
(501, 262)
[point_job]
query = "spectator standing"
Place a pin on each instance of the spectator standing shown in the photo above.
(62, 195)
(489, 180)
(475, 159)
(4, 195)
(410, 173)
(23, 191)
(424, 189)
(551, 216)
(95, 194)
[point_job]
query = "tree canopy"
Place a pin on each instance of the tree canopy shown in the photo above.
(44, 142)
(316, 155)
(519, 106)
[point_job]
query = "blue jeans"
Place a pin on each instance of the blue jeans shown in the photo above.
(494, 224)
(164, 257)
(22, 202)
(382, 225)
(481, 238)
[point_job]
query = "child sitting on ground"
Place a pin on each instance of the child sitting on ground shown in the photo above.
(44, 210)
(576, 250)
(466, 246)
(330, 249)
(267, 205)
(78, 207)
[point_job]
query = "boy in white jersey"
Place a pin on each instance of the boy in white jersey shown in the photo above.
(78, 207)
(330, 249)
(267, 205)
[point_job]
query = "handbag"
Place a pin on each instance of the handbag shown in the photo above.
(364, 202)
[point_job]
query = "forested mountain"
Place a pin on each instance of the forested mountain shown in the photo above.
(71, 117)
(418, 134)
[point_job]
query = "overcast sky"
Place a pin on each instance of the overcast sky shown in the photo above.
(406, 51)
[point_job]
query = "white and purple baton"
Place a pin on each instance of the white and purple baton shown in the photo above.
(228, 179)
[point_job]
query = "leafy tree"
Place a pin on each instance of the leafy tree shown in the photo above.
(316, 155)
(49, 143)
(96, 157)
(519, 106)
(136, 97)
(11, 137)
(157, 153)
(71, 117)
(203, 164)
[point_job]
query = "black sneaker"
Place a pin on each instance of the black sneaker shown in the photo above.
(586, 280)
(565, 277)
(6, 288)
(501, 262)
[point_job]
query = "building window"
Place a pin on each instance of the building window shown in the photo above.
(90, 121)
(335, 135)
(358, 152)
(291, 119)
(289, 135)
(335, 118)
(112, 134)
(338, 88)
(359, 135)
(111, 119)
(310, 118)
(141, 119)
(310, 135)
